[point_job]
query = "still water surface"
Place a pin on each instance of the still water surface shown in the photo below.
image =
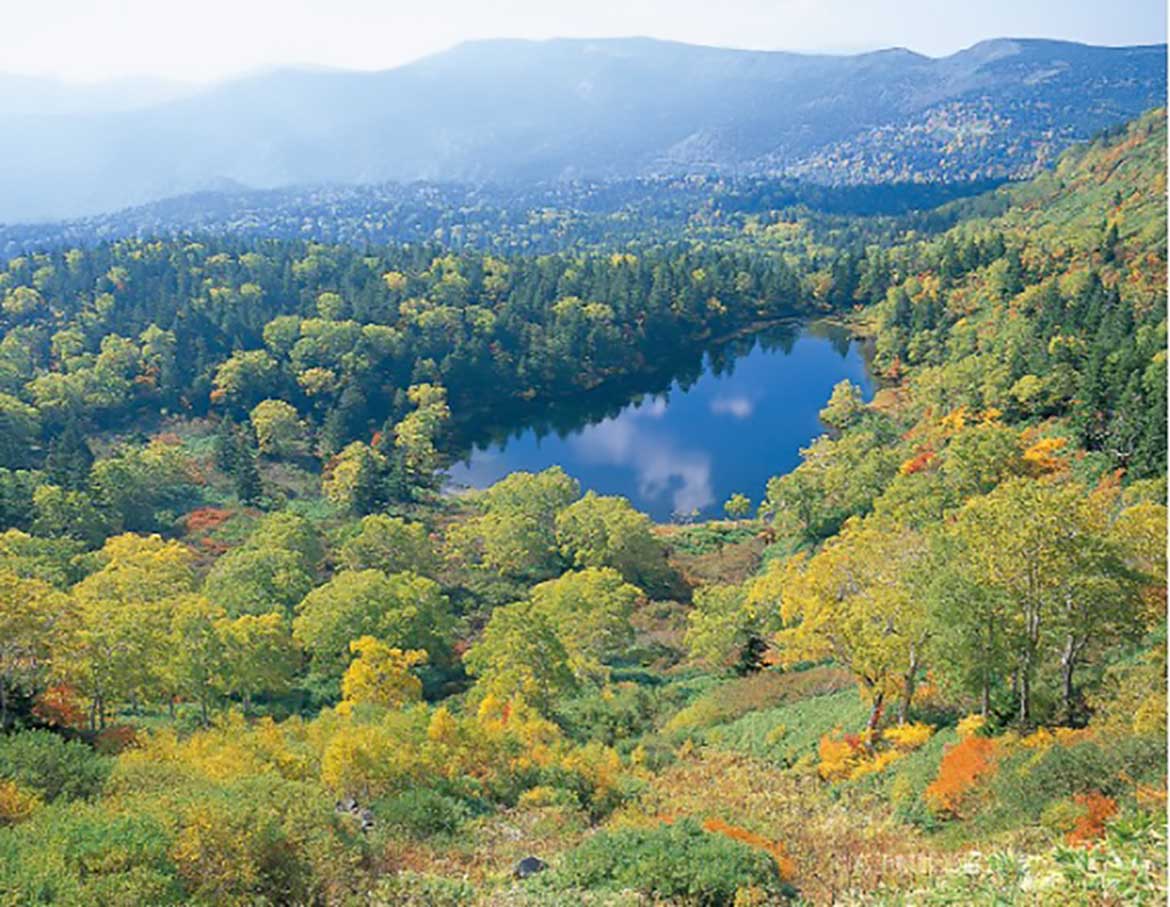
(723, 424)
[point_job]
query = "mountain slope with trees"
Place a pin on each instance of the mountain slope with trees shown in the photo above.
(251, 654)
(612, 108)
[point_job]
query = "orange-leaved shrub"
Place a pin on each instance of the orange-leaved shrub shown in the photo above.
(839, 755)
(853, 756)
(963, 766)
(785, 865)
(1098, 808)
(920, 461)
(114, 739)
(202, 520)
(1041, 457)
(60, 706)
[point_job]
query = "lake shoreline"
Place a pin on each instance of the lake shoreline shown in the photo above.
(527, 409)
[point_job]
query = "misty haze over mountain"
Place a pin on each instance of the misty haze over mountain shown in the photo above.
(505, 110)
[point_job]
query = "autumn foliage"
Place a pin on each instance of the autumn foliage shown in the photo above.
(1098, 809)
(838, 756)
(1042, 457)
(59, 706)
(203, 520)
(785, 865)
(917, 463)
(963, 766)
(853, 756)
(115, 739)
(16, 804)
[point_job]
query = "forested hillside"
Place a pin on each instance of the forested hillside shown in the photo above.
(253, 652)
(549, 217)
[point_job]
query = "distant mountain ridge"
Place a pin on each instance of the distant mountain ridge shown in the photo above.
(566, 108)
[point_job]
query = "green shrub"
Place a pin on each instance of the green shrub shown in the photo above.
(1028, 783)
(741, 696)
(788, 733)
(52, 766)
(78, 854)
(261, 840)
(903, 783)
(678, 861)
(421, 812)
(707, 537)
(539, 892)
(417, 889)
(598, 801)
(619, 714)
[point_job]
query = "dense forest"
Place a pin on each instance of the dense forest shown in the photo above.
(252, 650)
(544, 218)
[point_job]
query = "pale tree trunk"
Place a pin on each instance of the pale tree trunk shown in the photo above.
(1025, 712)
(985, 692)
(1068, 665)
(875, 715)
(1070, 657)
(909, 682)
(1028, 665)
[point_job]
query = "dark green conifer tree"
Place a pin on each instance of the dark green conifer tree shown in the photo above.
(69, 458)
(245, 473)
(227, 445)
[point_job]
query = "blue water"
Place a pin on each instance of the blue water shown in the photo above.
(742, 421)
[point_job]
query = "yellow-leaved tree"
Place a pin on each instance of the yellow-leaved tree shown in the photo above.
(30, 610)
(856, 601)
(115, 647)
(278, 427)
(259, 655)
(416, 436)
(590, 610)
(1045, 550)
(380, 675)
(520, 656)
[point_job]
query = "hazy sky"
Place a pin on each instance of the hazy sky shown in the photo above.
(206, 39)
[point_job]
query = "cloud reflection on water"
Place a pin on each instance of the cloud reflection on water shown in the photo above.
(689, 448)
(662, 468)
(741, 407)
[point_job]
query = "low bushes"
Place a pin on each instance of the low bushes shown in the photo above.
(789, 734)
(421, 812)
(1034, 774)
(678, 861)
(963, 766)
(417, 889)
(260, 841)
(766, 689)
(49, 766)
